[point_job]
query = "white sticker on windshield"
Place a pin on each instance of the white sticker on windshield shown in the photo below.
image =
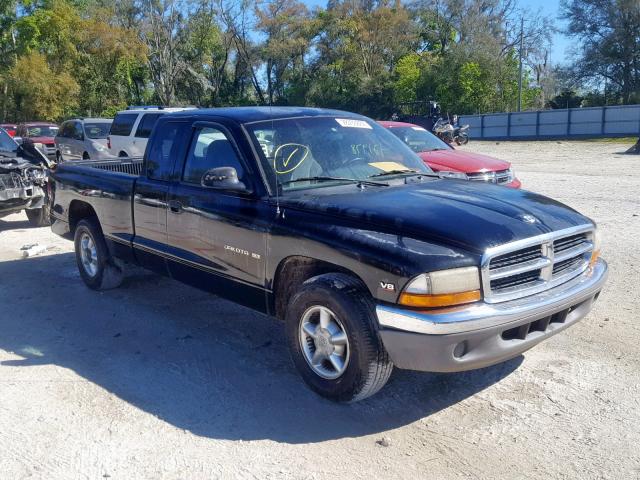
(419, 128)
(352, 123)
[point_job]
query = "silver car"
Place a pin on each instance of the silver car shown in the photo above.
(83, 139)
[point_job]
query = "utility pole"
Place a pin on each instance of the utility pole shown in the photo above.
(520, 70)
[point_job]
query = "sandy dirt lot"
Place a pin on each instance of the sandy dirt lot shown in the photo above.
(156, 380)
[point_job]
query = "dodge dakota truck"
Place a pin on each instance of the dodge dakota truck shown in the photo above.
(326, 220)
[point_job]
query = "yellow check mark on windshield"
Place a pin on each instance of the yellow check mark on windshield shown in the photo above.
(286, 162)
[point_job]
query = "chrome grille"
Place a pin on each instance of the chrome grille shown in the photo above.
(500, 177)
(532, 265)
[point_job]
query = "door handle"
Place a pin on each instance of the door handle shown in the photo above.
(175, 206)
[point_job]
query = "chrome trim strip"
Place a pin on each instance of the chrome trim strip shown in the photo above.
(483, 315)
(196, 265)
(519, 268)
(573, 252)
(547, 280)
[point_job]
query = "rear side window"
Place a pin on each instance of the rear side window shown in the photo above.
(163, 150)
(146, 124)
(123, 123)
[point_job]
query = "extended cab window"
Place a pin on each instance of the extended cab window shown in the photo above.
(163, 149)
(123, 123)
(210, 149)
(146, 124)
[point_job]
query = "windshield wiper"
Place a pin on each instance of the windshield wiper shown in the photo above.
(320, 178)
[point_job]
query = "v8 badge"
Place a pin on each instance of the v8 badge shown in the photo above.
(389, 287)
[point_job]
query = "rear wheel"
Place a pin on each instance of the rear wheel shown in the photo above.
(85, 156)
(98, 269)
(462, 139)
(330, 326)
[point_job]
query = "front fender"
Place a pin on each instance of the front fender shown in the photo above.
(384, 261)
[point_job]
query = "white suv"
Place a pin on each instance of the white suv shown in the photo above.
(131, 129)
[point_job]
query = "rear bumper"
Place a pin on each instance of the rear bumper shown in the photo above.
(479, 335)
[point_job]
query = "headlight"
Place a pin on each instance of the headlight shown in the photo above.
(448, 174)
(510, 176)
(442, 288)
(595, 254)
(99, 147)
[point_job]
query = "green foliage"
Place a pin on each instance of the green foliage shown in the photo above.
(38, 93)
(94, 57)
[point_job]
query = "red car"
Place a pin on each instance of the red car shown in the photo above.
(10, 128)
(40, 132)
(457, 164)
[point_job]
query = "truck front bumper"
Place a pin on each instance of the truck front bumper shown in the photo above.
(483, 334)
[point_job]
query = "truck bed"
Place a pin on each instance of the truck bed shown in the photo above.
(106, 185)
(129, 165)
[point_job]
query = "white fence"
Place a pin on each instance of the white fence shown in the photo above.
(570, 123)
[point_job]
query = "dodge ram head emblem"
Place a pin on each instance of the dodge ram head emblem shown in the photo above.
(528, 218)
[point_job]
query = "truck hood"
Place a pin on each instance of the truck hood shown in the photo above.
(473, 216)
(467, 162)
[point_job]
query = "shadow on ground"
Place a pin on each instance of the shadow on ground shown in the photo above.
(195, 361)
(15, 225)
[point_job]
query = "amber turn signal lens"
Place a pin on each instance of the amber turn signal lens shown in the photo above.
(594, 257)
(443, 300)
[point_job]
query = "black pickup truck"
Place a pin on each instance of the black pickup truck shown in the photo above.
(326, 220)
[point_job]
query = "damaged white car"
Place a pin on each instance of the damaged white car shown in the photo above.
(23, 180)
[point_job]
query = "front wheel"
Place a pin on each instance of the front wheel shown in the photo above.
(97, 268)
(330, 327)
(39, 217)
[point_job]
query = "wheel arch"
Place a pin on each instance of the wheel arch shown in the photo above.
(79, 210)
(293, 271)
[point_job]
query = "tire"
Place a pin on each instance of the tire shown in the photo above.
(462, 139)
(99, 271)
(59, 158)
(366, 364)
(39, 217)
(122, 154)
(85, 156)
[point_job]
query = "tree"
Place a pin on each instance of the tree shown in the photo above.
(38, 93)
(162, 32)
(288, 31)
(609, 32)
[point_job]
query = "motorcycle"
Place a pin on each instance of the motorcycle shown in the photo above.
(461, 134)
(443, 130)
(451, 133)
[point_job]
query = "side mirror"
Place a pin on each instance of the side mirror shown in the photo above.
(222, 177)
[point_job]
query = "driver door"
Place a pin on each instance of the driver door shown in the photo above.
(217, 236)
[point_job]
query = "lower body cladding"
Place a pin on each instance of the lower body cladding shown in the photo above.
(483, 334)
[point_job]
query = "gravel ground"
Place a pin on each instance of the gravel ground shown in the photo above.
(157, 380)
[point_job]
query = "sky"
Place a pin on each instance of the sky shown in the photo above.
(551, 8)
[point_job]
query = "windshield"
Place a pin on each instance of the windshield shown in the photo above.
(42, 131)
(332, 148)
(97, 130)
(418, 139)
(6, 142)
